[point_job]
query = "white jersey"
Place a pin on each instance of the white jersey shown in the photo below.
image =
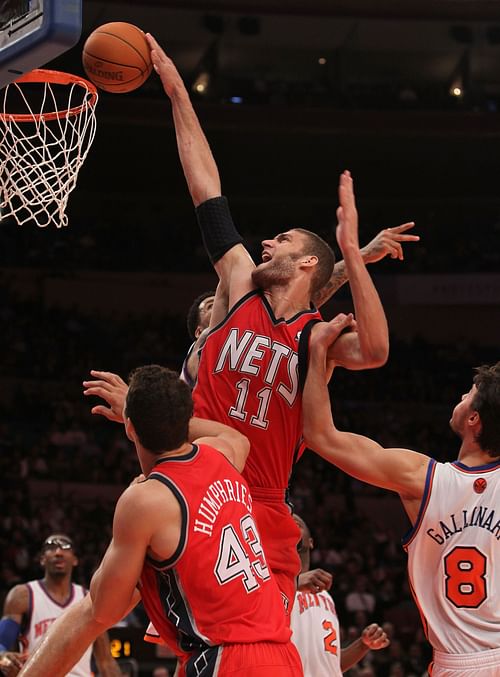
(316, 634)
(43, 611)
(454, 557)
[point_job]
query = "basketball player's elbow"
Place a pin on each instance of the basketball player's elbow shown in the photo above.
(314, 436)
(241, 447)
(375, 354)
(104, 616)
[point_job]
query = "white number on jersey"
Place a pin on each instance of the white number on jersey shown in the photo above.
(233, 560)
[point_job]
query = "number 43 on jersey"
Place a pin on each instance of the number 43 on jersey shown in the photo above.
(241, 556)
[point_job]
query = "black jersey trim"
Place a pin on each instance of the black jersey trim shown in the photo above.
(231, 312)
(170, 561)
(188, 456)
(309, 311)
(267, 306)
(303, 351)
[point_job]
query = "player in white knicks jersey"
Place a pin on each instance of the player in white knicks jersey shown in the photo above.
(454, 545)
(315, 625)
(30, 609)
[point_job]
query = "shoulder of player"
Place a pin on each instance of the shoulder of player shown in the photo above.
(17, 600)
(145, 496)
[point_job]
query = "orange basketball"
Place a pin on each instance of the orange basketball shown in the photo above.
(116, 57)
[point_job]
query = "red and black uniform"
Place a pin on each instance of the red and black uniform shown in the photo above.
(214, 602)
(250, 377)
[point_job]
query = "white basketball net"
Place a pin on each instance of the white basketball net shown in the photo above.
(43, 145)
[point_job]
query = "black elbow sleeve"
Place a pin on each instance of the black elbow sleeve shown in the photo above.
(217, 228)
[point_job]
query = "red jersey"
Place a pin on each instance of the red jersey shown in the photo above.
(250, 378)
(216, 589)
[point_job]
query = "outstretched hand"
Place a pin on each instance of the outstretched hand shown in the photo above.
(113, 389)
(389, 242)
(374, 637)
(165, 67)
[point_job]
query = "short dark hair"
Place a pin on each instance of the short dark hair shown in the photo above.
(487, 404)
(159, 405)
(316, 246)
(193, 314)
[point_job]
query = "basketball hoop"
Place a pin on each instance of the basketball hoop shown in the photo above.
(43, 144)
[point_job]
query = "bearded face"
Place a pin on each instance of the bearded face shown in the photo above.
(274, 272)
(279, 259)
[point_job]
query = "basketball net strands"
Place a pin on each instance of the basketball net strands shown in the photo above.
(47, 118)
(43, 144)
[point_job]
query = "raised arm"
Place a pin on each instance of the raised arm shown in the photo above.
(388, 242)
(368, 347)
(222, 241)
(400, 470)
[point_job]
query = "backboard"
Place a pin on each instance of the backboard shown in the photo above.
(33, 32)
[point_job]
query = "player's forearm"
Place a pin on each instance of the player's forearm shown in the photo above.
(316, 400)
(196, 157)
(352, 654)
(370, 317)
(65, 643)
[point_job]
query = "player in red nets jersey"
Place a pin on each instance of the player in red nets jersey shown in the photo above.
(253, 363)
(185, 537)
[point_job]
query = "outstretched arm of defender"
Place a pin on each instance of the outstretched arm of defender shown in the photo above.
(399, 470)
(368, 347)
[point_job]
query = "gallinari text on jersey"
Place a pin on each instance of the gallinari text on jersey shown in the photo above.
(480, 516)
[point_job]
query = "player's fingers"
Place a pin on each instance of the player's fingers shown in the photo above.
(321, 580)
(97, 391)
(397, 251)
(402, 228)
(103, 411)
(107, 376)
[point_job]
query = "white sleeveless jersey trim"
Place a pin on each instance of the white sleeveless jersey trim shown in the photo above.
(454, 557)
(316, 634)
(43, 611)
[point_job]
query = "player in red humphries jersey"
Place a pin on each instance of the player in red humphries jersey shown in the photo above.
(185, 541)
(254, 362)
